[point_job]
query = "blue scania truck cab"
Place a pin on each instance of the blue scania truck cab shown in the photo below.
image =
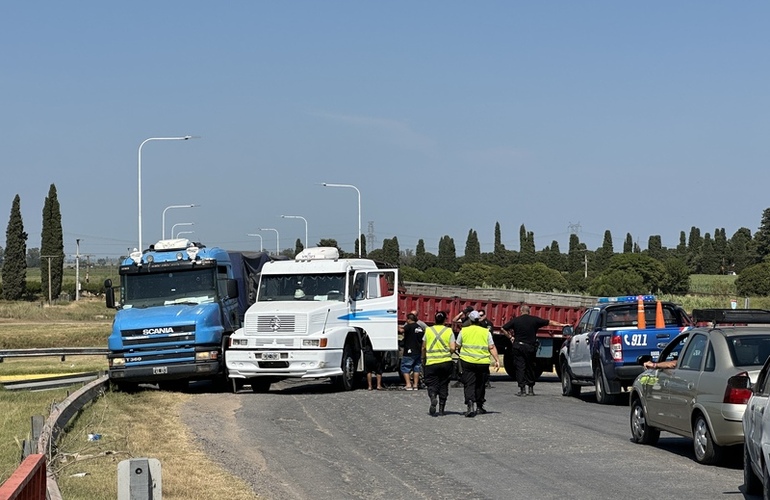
(179, 302)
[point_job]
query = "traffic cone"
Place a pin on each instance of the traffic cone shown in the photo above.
(659, 321)
(640, 323)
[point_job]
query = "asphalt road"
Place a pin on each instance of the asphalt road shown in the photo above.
(303, 440)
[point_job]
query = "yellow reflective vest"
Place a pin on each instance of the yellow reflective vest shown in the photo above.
(475, 346)
(437, 345)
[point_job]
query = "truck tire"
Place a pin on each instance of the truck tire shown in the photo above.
(567, 387)
(347, 381)
(602, 396)
(641, 432)
(509, 364)
(260, 385)
(706, 451)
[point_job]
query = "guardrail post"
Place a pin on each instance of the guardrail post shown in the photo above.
(139, 479)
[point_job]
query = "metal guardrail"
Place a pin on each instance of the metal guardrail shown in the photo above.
(42, 384)
(62, 352)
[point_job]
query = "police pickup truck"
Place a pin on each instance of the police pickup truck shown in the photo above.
(604, 348)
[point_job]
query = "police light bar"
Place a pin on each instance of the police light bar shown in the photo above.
(627, 298)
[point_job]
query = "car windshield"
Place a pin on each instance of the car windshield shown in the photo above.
(178, 287)
(302, 287)
(749, 350)
(624, 316)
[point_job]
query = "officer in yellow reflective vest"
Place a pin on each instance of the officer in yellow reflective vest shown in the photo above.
(476, 346)
(438, 345)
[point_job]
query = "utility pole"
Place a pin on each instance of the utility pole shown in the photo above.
(77, 270)
(49, 257)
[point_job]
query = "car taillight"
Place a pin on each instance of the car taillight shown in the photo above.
(737, 391)
(616, 347)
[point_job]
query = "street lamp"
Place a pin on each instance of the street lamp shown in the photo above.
(326, 184)
(180, 224)
(180, 233)
(183, 138)
(298, 217)
(277, 240)
(163, 225)
(260, 239)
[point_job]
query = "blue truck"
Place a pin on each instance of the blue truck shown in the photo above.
(605, 347)
(179, 302)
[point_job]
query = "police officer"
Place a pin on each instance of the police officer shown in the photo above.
(476, 346)
(437, 349)
(459, 322)
(522, 330)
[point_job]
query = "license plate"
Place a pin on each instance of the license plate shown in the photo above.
(159, 370)
(271, 356)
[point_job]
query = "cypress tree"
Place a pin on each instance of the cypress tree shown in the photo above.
(762, 237)
(52, 244)
(472, 247)
(628, 244)
(15, 257)
(526, 246)
(447, 254)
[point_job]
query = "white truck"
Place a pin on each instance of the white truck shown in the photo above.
(312, 318)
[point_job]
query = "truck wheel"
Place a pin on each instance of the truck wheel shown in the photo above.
(347, 381)
(706, 451)
(751, 483)
(567, 387)
(260, 385)
(128, 387)
(641, 432)
(602, 397)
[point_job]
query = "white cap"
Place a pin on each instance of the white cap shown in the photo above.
(474, 315)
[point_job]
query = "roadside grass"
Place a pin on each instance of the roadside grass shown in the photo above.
(143, 424)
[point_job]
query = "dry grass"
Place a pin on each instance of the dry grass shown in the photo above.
(145, 424)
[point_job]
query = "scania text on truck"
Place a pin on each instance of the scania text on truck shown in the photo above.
(179, 302)
(312, 318)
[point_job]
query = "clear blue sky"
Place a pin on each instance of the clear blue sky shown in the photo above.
(638, 117)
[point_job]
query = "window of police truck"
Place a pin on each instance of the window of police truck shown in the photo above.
(302, 287)
(148, 290)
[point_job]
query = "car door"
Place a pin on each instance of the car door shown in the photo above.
(654, 385)
(755, 410)
(682, 382)
(580, 348)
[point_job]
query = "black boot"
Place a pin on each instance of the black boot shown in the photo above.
(521, 392)
(432, 409)
(441, 406)
(470, 412)
(531, 391)
(480, 409)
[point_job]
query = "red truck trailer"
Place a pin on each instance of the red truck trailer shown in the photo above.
(429, 300)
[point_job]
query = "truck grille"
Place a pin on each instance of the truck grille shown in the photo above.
(272, 324)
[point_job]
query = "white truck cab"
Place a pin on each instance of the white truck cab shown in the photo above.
(312, 318)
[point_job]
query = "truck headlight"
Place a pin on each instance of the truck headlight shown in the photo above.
(241, 342)
(314, 342)
(205, 355)
(117, 362)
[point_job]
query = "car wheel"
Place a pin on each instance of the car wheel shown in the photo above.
(602, 397)
(641, 432)
(765, 482)
(260, 384)
(706, 451)
(567, 388)
(751, 483)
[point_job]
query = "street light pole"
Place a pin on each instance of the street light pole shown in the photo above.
(277, 239)
(77, 269)
(298, 217)
(183, 138)
(180, 233)
(326, 184)
(163, 219)
(260, 239)
(180, 224)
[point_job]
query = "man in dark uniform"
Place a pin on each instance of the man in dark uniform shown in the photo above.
(522, 330)
(459, 322)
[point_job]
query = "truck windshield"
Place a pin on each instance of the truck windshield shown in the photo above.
(302, 287)
(178, 287)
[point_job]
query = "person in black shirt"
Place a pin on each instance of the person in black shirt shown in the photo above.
(411, 359)
(522, 330)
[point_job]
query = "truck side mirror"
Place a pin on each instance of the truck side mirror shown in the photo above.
(109, 294)
(567, 331)
(232, 289)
